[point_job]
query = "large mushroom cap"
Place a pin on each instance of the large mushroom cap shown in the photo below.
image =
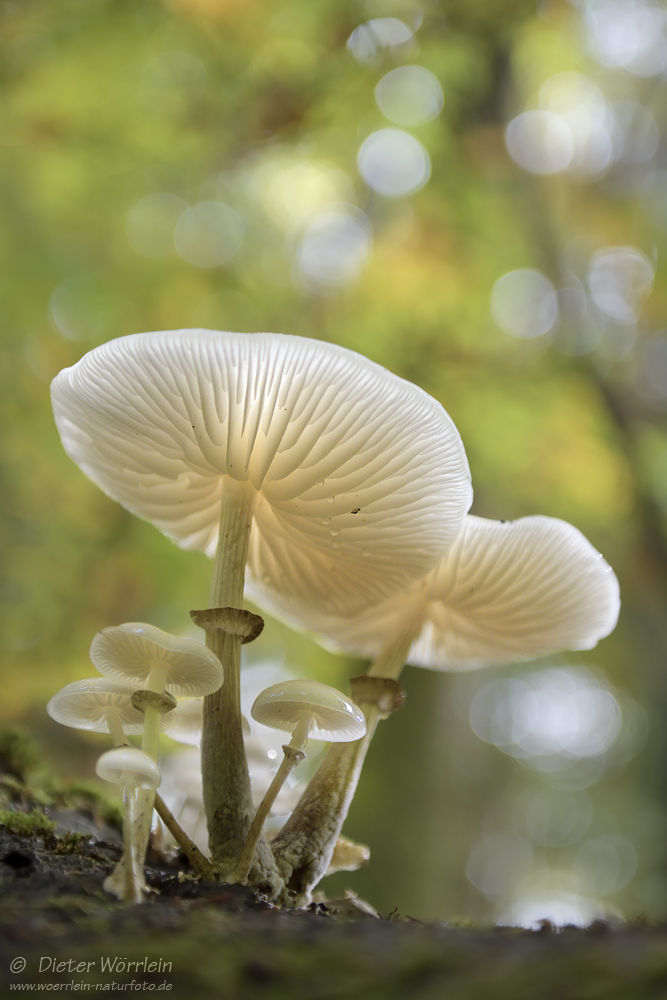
(84, 705)
(505, 591)
(128, 652)
(334, 717)
(359, 475)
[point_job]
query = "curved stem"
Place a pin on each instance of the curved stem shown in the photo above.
(292, 757)
(200, 863)
(305, 845)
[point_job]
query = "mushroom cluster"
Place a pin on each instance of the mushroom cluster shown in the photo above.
(336, 495)
(143, 668)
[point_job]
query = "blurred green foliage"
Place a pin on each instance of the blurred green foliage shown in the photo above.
(108, 102)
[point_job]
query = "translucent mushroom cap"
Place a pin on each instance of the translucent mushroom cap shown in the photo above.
(335, 718)
(186, 722)
(128, 766)
(128, 653)
(504, 591)
(359, 476)
(84, 705)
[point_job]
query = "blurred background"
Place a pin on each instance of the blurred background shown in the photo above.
(473, 194)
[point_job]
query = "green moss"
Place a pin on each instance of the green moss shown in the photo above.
(28, 780)
(70, 843)
(26, 824)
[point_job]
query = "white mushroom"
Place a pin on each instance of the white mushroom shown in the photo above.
(331, 477)
(134, 770)
(307, 710)
(504, 591)
(128, 766)
(156, 660)
(347, 471)
(99, 706)
(159, 662)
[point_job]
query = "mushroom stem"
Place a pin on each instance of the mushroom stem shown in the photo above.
(199, 862)
(156, 682)
(236, 503)
(226, 782)
(304, 847)
(131, 867)
(293, 756)
(145, 799)
(127, 766)
(112, 717)
(300, 734)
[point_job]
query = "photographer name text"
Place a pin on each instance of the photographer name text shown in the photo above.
(107, 963)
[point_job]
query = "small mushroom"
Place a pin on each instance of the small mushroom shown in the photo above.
(307, 710)
(155, 660)
(128, 766)
(159, 663)
(99, 705)
(134, 770)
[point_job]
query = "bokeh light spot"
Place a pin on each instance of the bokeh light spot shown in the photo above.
(619, 279)
(393, 163)
(549, 718)
(294, 190)
(627, 34)
(540, 142)
(409, 95)
(209, 234)
(581, 106)
(524, 303)
(334, 247)
(382, 34)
